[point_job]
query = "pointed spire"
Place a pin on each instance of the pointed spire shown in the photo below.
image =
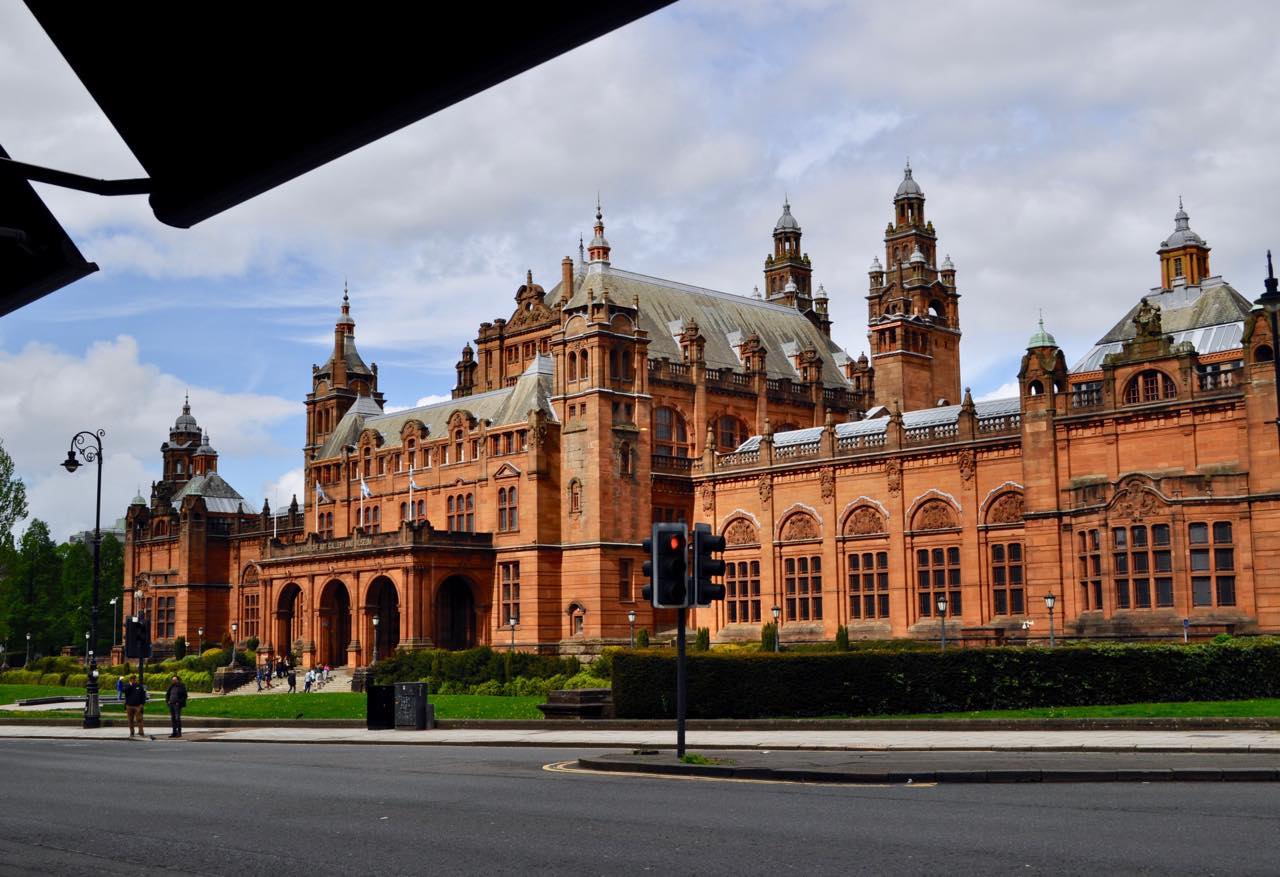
(598, 252)
(967, 404)
(1273, 286)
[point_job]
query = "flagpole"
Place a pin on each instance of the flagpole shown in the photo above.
(411, 518)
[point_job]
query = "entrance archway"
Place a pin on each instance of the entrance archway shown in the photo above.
(335, 624)
(455, 614)
(384, 604)
(288, 620)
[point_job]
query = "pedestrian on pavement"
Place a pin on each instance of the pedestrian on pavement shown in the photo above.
(293, 681)
(135, 697)
(307, 680)
(176, 698)
(259, 678)
(119, 688)
(266, 675)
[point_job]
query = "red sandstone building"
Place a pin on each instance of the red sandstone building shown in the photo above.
(1140, 486)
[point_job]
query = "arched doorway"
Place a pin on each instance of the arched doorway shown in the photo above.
(455, 614)
(384, 604)
(288, 620)
(335, 624)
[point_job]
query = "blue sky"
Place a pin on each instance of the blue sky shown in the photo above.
(1052, 141)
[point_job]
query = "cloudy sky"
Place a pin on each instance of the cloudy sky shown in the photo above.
(1052, 141)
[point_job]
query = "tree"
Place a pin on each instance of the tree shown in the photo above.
(111, 558)
(13, 507)
(31, 596)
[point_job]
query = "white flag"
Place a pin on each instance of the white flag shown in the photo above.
(364, 488)
(413, 485)
(320, 494)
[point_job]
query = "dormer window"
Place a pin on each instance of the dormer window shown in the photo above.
(1150, 386)
(1177, 267)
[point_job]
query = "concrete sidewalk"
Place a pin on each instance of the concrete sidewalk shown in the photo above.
(1097, 741)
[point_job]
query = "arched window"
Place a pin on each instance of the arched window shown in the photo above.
(670, 437)
(624, 458)
(584, 371)
(573, 366)
(1262, 353)
(1035, 388)
(377, 519)
(457, 446)
(368, 462)
(422, 510)
(404, 511)
(730, 432)
(508, 517)
(615, 372)
(1150, 386)
(410, 448)
(451, 517)
(471, 514)
(575, 497)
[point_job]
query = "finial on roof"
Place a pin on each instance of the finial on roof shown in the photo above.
(1179, 202)
(581, 251)
(1273, 285)
(599, 212)
(528, 277)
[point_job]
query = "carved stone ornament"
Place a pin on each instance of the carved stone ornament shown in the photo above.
(765, 487)
(828, 483)
(1147, 321)
(1006, 510)
(893, 472)
(800, 527)
(935, 515)
(968, 464)
(708, 498)
(741, 532)
(538, 434)
(1135, 503)
(864, 521)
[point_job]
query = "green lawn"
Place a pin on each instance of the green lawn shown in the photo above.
(1211, 708)
(341, 705)
(15, 693)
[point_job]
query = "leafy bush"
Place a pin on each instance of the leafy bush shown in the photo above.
(642, 638)
(602, 666)
(842, 639)
(53, 678)
(251, 644)
(180, 648)
(729, 685)
(702, 642)
(768, 637)
(469, 668)
(585, 679)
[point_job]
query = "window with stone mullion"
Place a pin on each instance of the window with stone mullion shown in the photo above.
(868, 584)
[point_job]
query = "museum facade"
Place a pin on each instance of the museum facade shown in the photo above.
(1140, 486)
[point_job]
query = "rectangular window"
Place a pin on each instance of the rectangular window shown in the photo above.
(624, 579)
(509, 580)
(1139, 552)
(869, 584)
(938, 574)
(802, 581)
(1213, 567)
(1008, 596)
(742, 591)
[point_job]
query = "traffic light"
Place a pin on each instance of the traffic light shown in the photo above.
(705, 566)
(137, 638)
(667, 567)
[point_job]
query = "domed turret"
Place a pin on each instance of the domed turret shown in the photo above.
(185, 422)
(1041, 338)
(1182, 233)
(908, 186)
(786, 222)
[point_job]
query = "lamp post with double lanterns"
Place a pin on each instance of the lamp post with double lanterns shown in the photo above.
(631, 620)
(87, 445)
(1049, 599)
(942, 620)
(777, 628)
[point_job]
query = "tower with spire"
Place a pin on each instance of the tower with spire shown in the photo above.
(179, 451)
(913, 310)
(1184, 255)
(598, 250)
(344, 378)
(788, 273)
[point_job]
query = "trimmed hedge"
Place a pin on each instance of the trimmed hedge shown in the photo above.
(863, 683)
(470, 667)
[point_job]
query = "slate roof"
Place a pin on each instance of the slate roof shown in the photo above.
(218, 495)
(943, 414)
(1210, 316)
(723, 318)
(508, 405)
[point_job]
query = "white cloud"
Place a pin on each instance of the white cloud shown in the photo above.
(51, 395)
(281, 491)
(1007, 390)
(425, 400)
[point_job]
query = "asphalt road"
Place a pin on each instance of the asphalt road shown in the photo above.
(121, 807)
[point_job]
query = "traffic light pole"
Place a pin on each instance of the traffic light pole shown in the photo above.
(681, 692)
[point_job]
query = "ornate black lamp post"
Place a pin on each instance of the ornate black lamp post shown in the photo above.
(235, 633)
(376, 621)
(942, 619)
(631, 620)
(511, 622)
(1049, 599)
(115, 626)
(28, 661)
(1270, 302)
(200, 641)
(88, 445)
(777, 628)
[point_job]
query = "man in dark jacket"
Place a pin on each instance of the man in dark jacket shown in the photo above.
(176, 698)
(135, 697)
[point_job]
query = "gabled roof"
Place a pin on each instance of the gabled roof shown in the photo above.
(218, 495)
(723, 318)
(499, 407)
(1210, 316)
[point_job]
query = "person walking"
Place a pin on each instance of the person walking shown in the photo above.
(258, 677)
(293, 681)
(120, 688)
(307, 680)
(135, 697)
(267, 671)
(176, 698)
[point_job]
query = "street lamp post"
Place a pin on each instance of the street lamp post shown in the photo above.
(28, 661)
(376, 621)
(511, 622)
(88, 445)
(1049, 600)
(87, 651)
(631, 620)
(115, 626)
(777, 628)
(234, 628)
(200, 641)
(942, 619)
(1270, 301)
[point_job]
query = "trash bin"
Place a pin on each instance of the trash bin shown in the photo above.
(380, 708)
(412, 712)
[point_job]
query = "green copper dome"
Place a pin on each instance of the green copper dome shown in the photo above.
(1041, 338)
